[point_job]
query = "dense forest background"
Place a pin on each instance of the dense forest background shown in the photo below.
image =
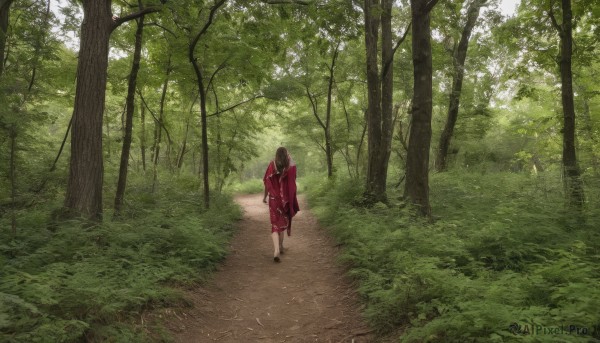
(453, 150)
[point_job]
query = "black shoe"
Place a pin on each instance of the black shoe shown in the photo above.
(276, 259)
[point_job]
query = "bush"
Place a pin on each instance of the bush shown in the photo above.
(503, 250)
(72, 282)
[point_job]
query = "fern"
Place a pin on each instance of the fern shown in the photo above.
(501, 252)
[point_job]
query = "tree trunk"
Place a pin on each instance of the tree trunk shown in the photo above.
(387, 95)
(183, 146)
(376, 180)
(380, 96)
(572, 178)
(203, 115)
(130, 103)
(328, 149)
(62, 145)
(161, 111)
(359, 148)
(12, 176)
(4, 20)
(143, 136)
(84, 188)
(220, 179)
(374, 187)
(108, 145)
(459, 57)
(417, 159)
(202, 92)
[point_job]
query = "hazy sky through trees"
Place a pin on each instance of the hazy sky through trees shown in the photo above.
(507, 7)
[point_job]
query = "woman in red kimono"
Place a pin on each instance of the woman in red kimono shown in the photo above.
(280, 187)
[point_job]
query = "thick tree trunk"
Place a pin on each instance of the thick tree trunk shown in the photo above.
(4, 19)
(572, 175)
(130, 103)
(376, 179)
(84, 189)
(380, 96)
(459, 57)
(374, 189)
(417, 159)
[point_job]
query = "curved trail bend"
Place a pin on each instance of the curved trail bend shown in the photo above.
(305, 298)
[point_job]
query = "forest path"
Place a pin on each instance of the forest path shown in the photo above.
(304, 298)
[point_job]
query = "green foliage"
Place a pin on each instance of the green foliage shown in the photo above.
(64, 282)
(504, 250)
(251, 186)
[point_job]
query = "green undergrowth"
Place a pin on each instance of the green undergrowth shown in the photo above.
(251, 186)
(72, 281)
(503, 250)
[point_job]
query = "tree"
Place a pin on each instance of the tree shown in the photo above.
(130, 106)
(326, 123)
(417, 158)
(202, 91)
(572, 175)
(459, 55)
(4, 20)
(380, 96)
(84, 187)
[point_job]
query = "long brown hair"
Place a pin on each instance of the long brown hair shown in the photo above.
(282, 160)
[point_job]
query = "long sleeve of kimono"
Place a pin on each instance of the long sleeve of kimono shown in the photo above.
(291, 185)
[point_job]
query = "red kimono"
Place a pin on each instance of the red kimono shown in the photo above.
(283, 203)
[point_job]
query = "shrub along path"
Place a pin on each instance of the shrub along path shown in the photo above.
(305, 298)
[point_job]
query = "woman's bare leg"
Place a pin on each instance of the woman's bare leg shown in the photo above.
(275, 237)
(281, 236)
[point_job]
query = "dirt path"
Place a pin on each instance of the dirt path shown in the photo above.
(305, 298)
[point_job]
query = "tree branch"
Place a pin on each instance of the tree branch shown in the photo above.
(154, 116)
(162, 27)
(388, 63)
(320, 145)
(314, 108)
(236, 105)
(219, 68)
(120, 20)
(401, 38)
(211, 16)
(553, 20)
